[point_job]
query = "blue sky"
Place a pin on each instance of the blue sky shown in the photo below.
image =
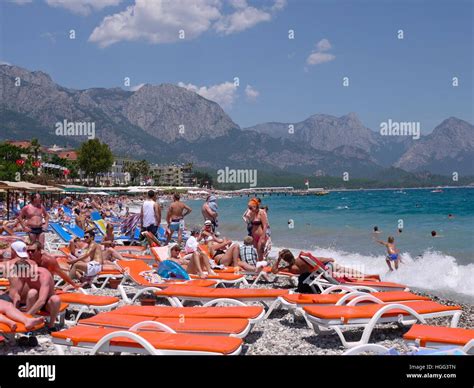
(286, 80)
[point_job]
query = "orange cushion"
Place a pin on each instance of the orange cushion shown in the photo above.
(245, 312)
(214, 293)
(441, 334)
(368, 311)
(90, 300)
(390, 296)
(168, 341)
(179, 324)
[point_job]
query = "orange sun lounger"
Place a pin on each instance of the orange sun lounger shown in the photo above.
(252, 313)
(101, 339)
(440, 336)
(211, 296)
(298, 301)
(234, 327)
(368, 315)
(133, 271)
(88, 303)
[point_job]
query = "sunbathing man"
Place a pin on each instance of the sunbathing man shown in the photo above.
(217, 246)
(175, 217)
(31, 219)
(89, 264)
(45, 260)
(34, 286)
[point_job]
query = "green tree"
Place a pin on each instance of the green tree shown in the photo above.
(9, 154)
(94, 157)
(203, 179)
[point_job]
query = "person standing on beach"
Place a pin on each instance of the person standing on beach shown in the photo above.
(31, 219)
(258, 219)
(150, 215)
(392, 252)
(175, 217)
(209, 211)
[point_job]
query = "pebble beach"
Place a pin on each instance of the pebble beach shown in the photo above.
(283, 333)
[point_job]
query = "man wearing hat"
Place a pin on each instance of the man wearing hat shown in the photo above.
(209, 211)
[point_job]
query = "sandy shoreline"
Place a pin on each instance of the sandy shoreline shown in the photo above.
(282, 333)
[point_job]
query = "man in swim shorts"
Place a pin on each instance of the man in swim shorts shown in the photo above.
(31, 219)
(175, 217)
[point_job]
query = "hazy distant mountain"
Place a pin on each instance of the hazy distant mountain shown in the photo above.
(449, 148)
(167, 123)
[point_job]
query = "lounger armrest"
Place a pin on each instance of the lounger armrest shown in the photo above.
(214, 302)
(364, 298)
(156, 324)
(105, 340)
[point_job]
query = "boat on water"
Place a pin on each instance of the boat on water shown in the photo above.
(437, 191)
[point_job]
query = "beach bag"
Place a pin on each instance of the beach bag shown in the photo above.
(168, 269)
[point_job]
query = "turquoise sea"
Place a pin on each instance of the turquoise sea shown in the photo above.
(340, 224)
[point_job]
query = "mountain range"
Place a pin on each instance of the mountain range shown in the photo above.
(168, 123)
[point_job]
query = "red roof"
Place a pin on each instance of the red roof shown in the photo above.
(19, 143)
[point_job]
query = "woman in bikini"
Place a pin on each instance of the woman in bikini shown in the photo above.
(258, 219)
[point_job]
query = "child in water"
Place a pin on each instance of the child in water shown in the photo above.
(392, 252)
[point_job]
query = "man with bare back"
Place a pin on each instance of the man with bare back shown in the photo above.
(45, 260)
(33, 286)
(31, 219)
(175, 217)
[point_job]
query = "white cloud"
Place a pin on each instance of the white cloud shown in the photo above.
(160, 21)
(251, 93)
(50, 36)
(318, 56)
(136, 87)
(82, 7)
(323, 45)
(224, 94)
(157, 21)
(241, 19)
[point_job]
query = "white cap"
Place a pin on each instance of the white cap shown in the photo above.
(20, 249)
(208, 222)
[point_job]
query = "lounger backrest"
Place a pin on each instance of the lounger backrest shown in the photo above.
(60, 231)
(76, 230)
(133, 268)
(159, 253)
(319, 267)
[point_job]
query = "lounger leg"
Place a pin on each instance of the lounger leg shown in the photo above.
(455, 319)
(272, 307)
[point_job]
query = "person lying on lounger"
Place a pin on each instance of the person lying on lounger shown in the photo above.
(10, 315)
(198, 262)
(302, 264)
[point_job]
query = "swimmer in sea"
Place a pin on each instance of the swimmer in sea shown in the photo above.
(435, 234)
(376, 230)
(392, 252)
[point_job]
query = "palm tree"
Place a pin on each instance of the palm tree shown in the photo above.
(35, 148)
